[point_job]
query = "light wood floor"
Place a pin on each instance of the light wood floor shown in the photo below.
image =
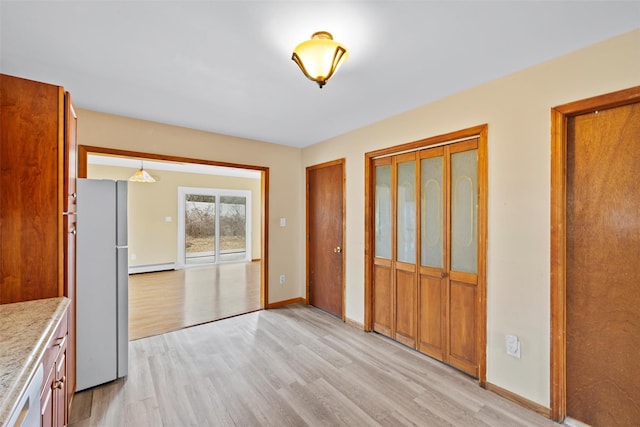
(292, 366)
(170, 300)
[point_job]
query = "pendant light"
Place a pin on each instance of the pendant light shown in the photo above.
(141, 175)
(320, 57)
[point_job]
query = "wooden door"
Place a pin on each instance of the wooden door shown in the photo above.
(602, 267)
(325, 228)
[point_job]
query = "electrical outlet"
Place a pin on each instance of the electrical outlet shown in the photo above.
(282, 279)
(513, 346)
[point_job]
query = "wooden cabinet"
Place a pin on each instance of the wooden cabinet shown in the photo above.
(53, 396)
(37, 199)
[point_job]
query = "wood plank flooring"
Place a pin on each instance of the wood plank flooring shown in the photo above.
(293, 366)
(171, 300)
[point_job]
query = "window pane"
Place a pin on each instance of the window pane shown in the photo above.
(431, 212)
(464, 211)
(383, 212)
(200, 228)
(406, 210)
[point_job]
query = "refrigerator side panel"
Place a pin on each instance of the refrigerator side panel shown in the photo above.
(123, 312)
(123, 278)
(121, 213)
(96, 335)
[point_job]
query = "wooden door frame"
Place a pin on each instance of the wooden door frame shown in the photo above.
(480, 132)
(559, 120)
(83, 157)
(342, 162)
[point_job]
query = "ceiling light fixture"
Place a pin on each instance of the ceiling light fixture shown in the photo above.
(141, 175)
(319, 57)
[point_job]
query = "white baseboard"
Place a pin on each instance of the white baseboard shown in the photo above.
(150, 268)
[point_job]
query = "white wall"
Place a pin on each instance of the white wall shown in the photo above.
(517, 110)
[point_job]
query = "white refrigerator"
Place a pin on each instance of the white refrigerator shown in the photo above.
(102, 280)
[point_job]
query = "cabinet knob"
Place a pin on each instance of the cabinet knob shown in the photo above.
(73, 232)
(74, 196)
(58, 384)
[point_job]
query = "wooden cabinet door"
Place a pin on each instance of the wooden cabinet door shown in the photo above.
(70, 153)
(46, 400)
(30, 213)
(60, 389)
(69, 250)
(70, 280)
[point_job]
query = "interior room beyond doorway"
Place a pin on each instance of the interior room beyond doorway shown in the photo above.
(165, 294)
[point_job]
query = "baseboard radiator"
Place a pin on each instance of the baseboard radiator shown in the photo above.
(151, 268)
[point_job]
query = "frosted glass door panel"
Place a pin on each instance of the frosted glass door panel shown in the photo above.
(406, 210)
(432, 220)
(383, 212)
(464, 211)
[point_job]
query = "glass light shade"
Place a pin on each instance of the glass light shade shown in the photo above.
(141, 176)
(320, 57)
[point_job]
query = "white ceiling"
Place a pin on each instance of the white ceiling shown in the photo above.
(225, 66)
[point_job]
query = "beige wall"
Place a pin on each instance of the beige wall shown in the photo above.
(153, 240)
(286, 179)
(517, 110)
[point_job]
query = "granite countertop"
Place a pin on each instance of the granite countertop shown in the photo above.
(25, 331)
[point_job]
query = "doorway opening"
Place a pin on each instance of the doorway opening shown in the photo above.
(172, 293)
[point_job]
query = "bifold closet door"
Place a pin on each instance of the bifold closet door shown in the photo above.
(383, 299)
(425, 269)
(404, 268)
(433, 279)
(462, 328)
